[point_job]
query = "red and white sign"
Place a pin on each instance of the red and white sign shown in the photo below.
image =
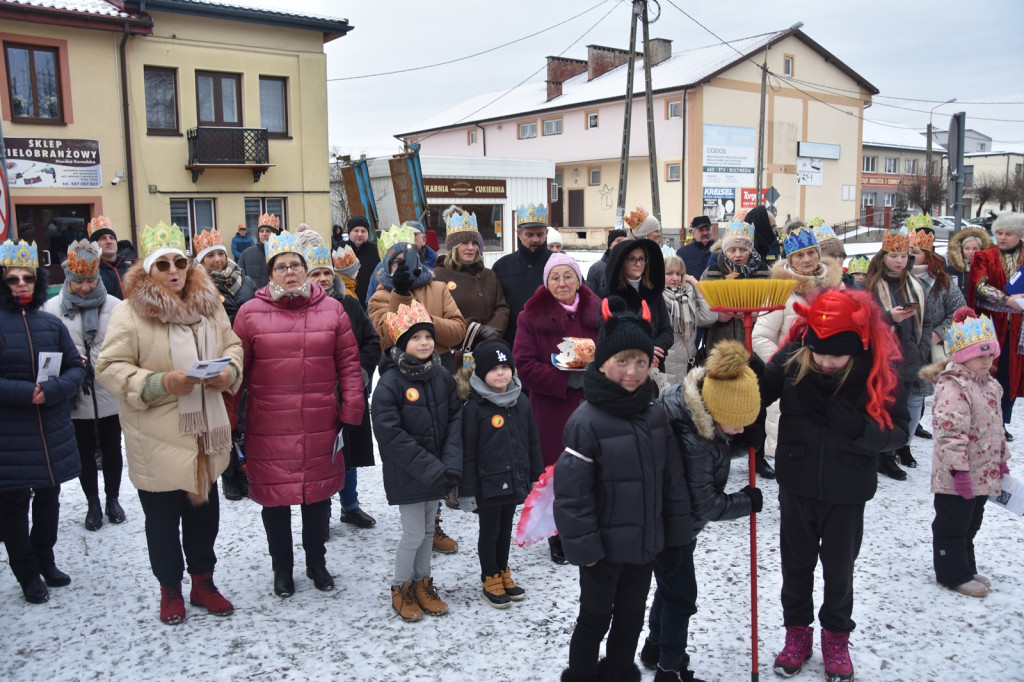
(748, 197)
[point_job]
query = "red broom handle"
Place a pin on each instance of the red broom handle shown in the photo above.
(748, 328)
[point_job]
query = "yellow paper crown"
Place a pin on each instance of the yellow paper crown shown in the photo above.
(465, 222)
(858, 265)
(896, 242)
(919, 221)
(83, 259)
(207, 240)
(395, 235)
(344, 257)
(402, 321)
(968, 332)
(19, 254)
(161, 237)
(815, 221)
(270, 220)
(635, 217)
(286, 242)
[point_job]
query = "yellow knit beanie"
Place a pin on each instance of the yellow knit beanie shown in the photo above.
(730, 387)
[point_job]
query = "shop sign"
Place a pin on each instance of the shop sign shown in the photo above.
(46, 163)
(463, 188)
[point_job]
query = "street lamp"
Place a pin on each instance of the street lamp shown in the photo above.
(929, 154)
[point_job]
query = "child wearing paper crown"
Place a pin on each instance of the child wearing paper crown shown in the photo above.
(417, 420)
(970, 450)
(713, 404)
(620, 497)
(501, 461)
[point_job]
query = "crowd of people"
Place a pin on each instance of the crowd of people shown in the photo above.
(255, 362)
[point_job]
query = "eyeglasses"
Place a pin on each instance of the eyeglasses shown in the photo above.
(636, 261)
(285, 269)
(13, 280)
(165, 265)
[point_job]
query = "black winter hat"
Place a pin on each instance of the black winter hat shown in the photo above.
(615, 234)
(357, 221)
(491, 353)
(622, 329)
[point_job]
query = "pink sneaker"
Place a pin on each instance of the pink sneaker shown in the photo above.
(799, 641)
(835, 651)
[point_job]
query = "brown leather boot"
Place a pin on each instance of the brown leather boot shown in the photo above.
(443, 543)
(427, 597)
(404, 602)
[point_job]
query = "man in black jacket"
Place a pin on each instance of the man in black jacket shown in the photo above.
(366, 251)
(113, 265)
(695, 254)
(520, 273)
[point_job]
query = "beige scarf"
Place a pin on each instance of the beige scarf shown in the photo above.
(882, 291)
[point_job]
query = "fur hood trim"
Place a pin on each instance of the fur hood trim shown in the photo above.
(931, 372)
(149, 300)
(702, 419)
(831, 276)
(954, 254)
(548, 315)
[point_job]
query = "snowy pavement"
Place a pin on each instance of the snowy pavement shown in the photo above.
(105, 625)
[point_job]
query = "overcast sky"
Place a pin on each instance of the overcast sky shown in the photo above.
(925, 51)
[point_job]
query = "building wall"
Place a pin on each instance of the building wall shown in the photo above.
(1006, 166)
(878, 184)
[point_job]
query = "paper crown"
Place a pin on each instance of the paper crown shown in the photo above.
(318, 257)
(19, 254)
(270, 220)
(635, 217)
(923, 239)
(161, 237)
(858, 265)
(815, 221)
(344, 257)
(205, 240)
(395, 235)
(83, 259)
(823, 232)
(532, 214)
(286, 242)
(969, 331)
(920, 221)
(896, 242)
(464, 222)
(99, 223)
(740, 229)
(400, 322)
(799, 239)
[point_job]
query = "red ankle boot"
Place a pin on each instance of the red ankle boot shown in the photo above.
(205, 594)
(172, 605)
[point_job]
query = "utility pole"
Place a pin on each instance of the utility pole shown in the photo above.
(760, 128)
(620, 209)
(652, 150)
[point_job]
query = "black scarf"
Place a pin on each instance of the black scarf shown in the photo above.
(228, 280)
(413, 369)
(745, 270)
(601, 391)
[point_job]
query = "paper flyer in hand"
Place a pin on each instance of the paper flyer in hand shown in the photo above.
(208, 369)
(1012, 497)
(49, 367)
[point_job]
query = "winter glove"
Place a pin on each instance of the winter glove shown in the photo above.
(962, 484)
(467, 504)
(844, 418)
(756, 498)
(1003, 469)
(178, 383)
(669, 560)
(575, 379)
(451, 481)
(402, 280)
(756, 365)
(487, 333)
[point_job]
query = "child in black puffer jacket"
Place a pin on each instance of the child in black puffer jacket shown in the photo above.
(501, 460)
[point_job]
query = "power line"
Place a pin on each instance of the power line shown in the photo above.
(476, 54)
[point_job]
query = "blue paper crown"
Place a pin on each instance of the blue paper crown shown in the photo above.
(799, 238)
(823, 232)
(318, 257)
(969, 332)
(464, 222)
(286, 242)
(738, 228)
(19, 254)
(532, 213)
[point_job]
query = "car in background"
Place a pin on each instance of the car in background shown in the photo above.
(943, 226)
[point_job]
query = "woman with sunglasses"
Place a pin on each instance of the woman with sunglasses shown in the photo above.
(304, 384)
(636, 272)
(38, 451)
(176, 429)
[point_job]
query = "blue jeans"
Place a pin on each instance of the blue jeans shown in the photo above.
(349, 496)
(675, 601)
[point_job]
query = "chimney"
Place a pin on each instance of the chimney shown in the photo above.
(601, 60)
(561, 69)
(661, 49)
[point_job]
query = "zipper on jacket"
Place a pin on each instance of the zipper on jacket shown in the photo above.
(39, 412)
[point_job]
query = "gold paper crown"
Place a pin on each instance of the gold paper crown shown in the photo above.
(923, 239)
(896, 242)
(286, 242)
(206, 240)
(408, 315)
(161, 237)
(395, 235)
(532, 213)
(318, 257)
(19, 254)
(815, 221)
(919, 221)
(635, 217)
(83, 259)
(344, 257)
(99, 223)
(969, 332)
(858, 265)
(270, 220)
(465, 222)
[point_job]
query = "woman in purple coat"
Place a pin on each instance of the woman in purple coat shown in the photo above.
(562, 307)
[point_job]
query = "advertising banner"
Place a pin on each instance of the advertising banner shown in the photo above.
(719, 203)
(729, 156)
(748, 197)
(809, 171)
(46, 163)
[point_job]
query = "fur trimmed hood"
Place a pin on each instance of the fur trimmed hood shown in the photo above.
(699, 414)
(954, 253)
(200, 297)
(548, 314)
(831, 276)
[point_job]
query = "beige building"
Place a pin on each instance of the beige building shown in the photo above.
(203, 114)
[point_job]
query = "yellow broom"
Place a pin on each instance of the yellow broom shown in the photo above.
(749, 296)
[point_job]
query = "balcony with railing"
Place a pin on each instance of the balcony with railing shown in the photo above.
(226, 147)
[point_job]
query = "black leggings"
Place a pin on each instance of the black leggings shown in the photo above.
(109, 429)
(166, 513)
(495, 538)
(316, 523)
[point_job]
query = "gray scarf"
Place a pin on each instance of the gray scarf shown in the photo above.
(506, 399)
(71, 304)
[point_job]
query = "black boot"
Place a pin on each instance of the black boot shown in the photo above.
(922, 432)
(905, 458)
(887, 465)
(94, 516)
(1007, 435)
(321, 578)
(114, 512)
(230, 480)
(284, 586)
(763, 468)
(54, 577)
(555, 546)
(35, 591)
(650, 653)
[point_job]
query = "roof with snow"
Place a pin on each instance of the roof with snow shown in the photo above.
(331, 27)
(894, 135)
(684, 69)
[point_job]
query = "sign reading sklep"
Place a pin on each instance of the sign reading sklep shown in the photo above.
(45, 163)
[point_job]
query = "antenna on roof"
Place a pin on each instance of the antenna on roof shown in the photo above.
(797, 25)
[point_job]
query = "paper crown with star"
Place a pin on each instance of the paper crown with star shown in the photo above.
(799, 239)
(83, 260)
(896, 241)
(19, 254)
(407, 317)
(161, 237)
(532, 214)
(971, 336)
(858, 265)
(397, 234)
(286, 242)
(269, 220)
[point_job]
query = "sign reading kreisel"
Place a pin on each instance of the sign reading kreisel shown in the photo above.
(46, 162)
(464, 188)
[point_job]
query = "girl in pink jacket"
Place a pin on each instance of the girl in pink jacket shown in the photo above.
(970, 450)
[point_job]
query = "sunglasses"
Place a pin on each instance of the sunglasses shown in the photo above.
(165, 265)
(13, 280)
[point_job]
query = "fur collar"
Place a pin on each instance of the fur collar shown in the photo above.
(831, 276)
(694, 403)
(549, 316)
(954, 254)
(149, 300)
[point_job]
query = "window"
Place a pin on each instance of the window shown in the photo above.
(787, 65)
(968, 177)
(527, 130)
(219, 98)
(470, 137)
(909, 167)
(257, 206)
(161, 101)
(553, 126)
(591, 117)
(274, 106)
(594, 176)
(981, 146)
(672, 172)
(888, 199)
(33, 83)
(674, 109)
(193, 216)
(867, 199)
(869, 164)
(891, 165)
